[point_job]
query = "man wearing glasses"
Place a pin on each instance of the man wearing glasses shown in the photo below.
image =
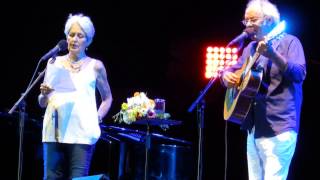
(273, 120)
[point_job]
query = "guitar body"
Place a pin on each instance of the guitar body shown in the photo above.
(238, 99)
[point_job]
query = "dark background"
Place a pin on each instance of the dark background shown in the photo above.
(157, 47)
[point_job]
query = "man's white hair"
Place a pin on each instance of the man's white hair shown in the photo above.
(266, 8)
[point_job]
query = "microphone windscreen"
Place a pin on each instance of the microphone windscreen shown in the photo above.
(62, 44)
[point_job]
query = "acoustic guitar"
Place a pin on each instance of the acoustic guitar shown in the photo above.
(238, 99)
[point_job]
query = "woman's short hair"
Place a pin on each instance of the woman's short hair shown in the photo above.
(85, 24)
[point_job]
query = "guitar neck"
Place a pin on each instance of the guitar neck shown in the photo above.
(253, 60)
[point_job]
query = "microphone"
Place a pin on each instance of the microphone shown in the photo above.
(61, 46)
(240, 38)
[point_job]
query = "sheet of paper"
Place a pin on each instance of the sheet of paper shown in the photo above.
(59, 79)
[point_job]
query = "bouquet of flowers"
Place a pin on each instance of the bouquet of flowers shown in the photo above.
(137, 107)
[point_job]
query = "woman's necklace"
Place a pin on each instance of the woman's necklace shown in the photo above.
(75, 66)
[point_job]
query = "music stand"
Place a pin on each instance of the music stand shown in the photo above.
(148, 123)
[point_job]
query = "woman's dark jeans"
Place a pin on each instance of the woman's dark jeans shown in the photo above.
(65, 161)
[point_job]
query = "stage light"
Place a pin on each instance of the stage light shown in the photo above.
(228, 56)
(234, 50)
(219, 58)
(209, 49)
(234, 57)
(228, 50)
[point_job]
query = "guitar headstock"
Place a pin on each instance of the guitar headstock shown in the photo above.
(276, 32)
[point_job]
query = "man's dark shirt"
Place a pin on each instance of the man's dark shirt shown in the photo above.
(277, 106)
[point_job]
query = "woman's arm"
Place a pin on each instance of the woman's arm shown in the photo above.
(104, 90)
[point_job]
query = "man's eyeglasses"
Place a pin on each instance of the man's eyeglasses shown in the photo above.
(253, 21)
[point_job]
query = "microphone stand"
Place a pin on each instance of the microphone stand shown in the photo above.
(200, 103)
(22, 107)
(147, 148)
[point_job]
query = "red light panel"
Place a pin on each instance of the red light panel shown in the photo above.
(219, 58)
